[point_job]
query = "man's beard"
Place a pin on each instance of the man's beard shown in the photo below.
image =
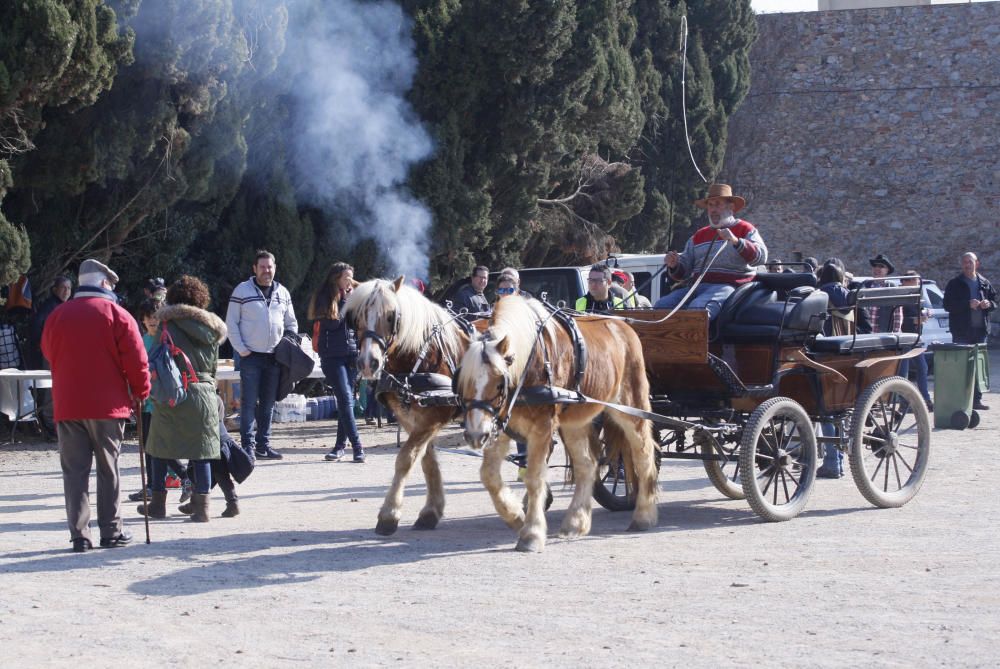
(726, 220)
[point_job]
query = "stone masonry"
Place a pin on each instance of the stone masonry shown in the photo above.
(874, 130)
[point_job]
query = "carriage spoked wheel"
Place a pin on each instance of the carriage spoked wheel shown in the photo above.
(890, 442)
(615, 487)
(724, 474)
(777, 457)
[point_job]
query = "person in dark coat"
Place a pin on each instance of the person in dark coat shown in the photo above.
(188, 430)
(338, 353)
(969, 299)
(62, 288)
(470, 296)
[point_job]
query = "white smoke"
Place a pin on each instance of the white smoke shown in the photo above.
(357, 136)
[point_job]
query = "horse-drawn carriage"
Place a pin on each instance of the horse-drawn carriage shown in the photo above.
(745, 394)
(742, 394)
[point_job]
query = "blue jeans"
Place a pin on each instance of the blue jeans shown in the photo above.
(708, 296)
(833, 458)
(259, 375)
(920, 365)
(340, 372)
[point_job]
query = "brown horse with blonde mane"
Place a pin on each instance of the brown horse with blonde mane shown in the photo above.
(493, 367)
(395, 324)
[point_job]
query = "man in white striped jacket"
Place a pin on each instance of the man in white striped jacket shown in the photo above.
(260, 312)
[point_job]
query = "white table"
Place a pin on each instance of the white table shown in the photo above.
(16, 399)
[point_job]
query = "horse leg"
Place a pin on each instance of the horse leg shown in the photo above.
(576, 441)
(531, 538)
(433, 509)
(636, 435)
(504, 500)
(388, 515)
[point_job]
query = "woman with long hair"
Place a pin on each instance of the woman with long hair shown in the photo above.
(338, 353)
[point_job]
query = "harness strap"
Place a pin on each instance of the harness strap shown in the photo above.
(563, 396)
(579, 345)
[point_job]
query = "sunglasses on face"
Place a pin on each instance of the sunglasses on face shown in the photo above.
(505, 291)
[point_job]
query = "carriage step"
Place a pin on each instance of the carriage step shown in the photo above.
(733, 383)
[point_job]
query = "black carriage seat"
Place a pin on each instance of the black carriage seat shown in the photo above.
(783, 306)
(888, 297)
(881, 341)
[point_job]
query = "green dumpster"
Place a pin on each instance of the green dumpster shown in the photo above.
(982, 368)
(955, 376)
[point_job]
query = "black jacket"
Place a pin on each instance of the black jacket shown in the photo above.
(295, 364)
(335, 338)
(475, 303)
(956, 302)
(35, 358)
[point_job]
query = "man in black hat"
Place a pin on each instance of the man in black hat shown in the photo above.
(876, 319)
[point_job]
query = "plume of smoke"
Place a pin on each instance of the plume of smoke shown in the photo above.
(356, 135)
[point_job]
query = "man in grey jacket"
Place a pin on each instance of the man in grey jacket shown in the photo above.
(260, 312)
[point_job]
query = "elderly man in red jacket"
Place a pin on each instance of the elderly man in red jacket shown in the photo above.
(99, 371)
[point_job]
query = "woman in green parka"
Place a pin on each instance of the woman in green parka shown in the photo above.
(189, 430)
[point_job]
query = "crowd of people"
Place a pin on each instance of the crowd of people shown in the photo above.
(99, 356)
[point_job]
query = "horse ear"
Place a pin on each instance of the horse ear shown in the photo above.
(398, 283)
(502, 345)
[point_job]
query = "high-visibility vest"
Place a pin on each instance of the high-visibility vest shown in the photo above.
(583, 303)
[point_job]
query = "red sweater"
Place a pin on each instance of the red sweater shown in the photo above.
(99, 364)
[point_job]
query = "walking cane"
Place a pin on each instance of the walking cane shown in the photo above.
(142, 468)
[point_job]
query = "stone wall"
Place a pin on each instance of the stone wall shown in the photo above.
(875, 130)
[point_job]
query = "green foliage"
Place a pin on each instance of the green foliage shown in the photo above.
(161, 134)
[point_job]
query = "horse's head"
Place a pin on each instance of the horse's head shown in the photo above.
(484, 386)
(372, 311)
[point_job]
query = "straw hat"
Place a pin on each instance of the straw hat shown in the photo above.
(725, 191)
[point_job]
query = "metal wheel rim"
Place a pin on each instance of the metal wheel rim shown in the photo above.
(890, 443)
(780, 448)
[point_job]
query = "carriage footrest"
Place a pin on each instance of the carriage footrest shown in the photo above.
(733, 383)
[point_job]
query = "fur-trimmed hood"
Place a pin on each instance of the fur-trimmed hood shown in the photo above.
(185, 312)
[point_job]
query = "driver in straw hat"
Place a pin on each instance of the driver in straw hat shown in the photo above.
(742, 249)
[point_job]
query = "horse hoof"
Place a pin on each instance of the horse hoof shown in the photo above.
(427, 520)
(386, 526)
(573, 532)
(639, 526)
(529, 545)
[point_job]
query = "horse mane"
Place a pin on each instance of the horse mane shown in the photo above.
(416, 315)
(516, 317)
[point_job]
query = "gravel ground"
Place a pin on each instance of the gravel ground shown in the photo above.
(300, 578)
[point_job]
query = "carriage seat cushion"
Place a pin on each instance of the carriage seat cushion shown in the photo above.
(763, 316)
(785, 281)
(881, 341)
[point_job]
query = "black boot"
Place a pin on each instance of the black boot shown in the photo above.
(232, 508)
(157, 505)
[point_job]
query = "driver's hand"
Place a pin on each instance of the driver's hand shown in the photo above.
(671, 259)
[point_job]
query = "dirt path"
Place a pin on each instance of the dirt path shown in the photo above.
(300, 578)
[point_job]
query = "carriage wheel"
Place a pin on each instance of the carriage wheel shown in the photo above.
(890, 442)
(615, 488)
(779, 448)
(724, 475)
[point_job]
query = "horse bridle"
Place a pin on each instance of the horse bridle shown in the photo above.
(494, 405)
(384, 344)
